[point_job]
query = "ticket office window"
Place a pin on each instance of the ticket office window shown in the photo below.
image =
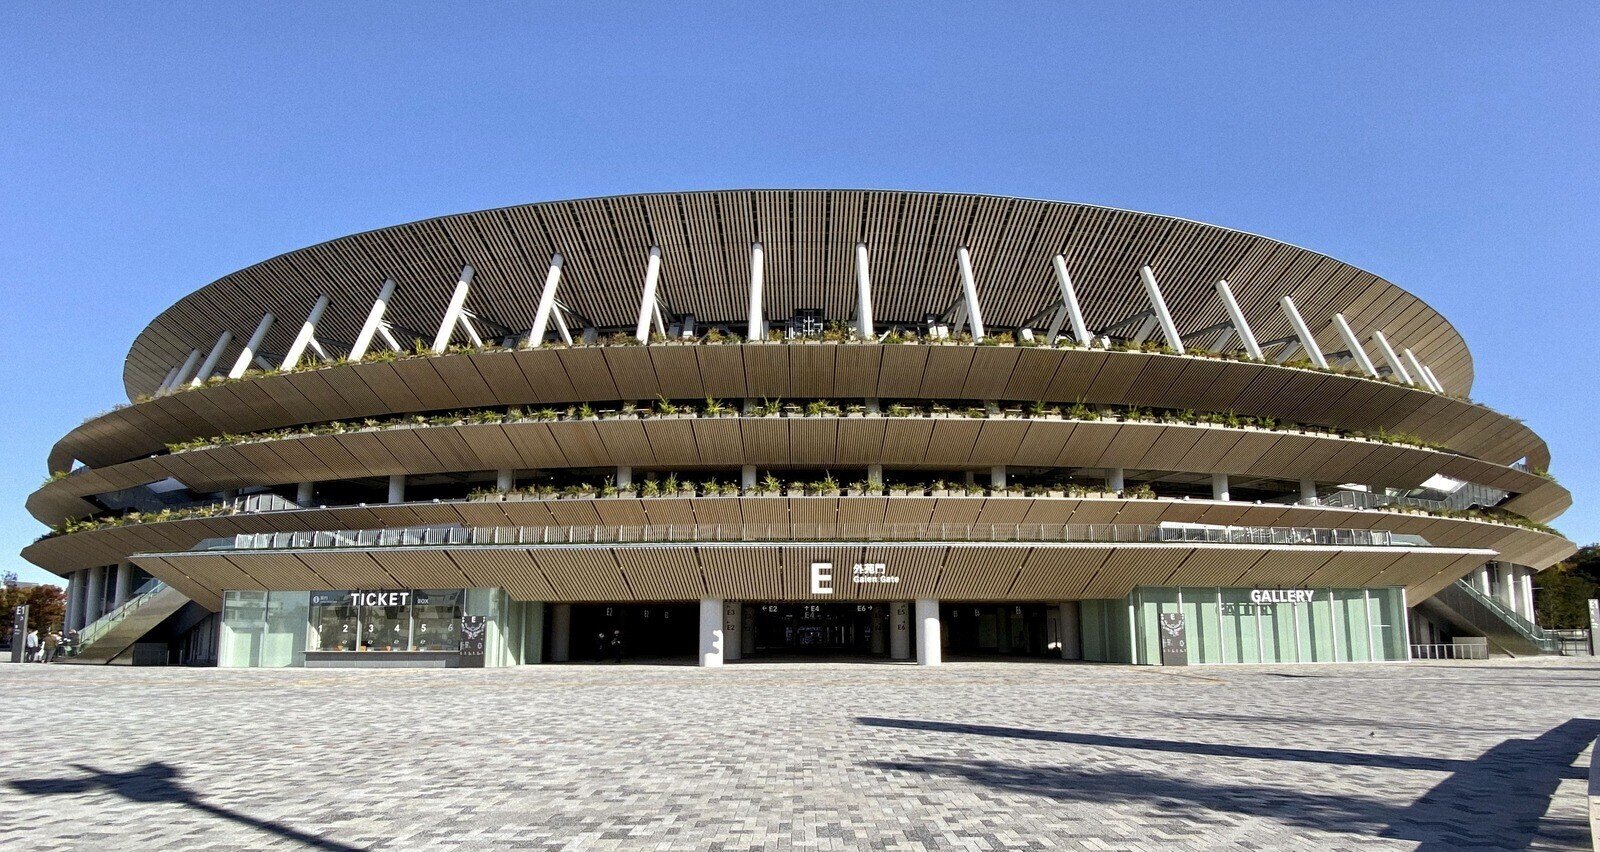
(429, 620)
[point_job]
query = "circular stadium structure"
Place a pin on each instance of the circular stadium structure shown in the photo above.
(786, 423)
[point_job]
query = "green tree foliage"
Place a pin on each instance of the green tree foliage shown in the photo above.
(1561, 599)
(47, 605)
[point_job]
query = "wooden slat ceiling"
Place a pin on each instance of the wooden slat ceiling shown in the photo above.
(809, 237)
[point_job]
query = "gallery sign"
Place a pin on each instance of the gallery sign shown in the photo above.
(1277, 596)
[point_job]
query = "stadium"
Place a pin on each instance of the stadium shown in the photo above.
(743, 425)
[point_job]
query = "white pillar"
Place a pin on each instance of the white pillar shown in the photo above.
(560, 633)
(308, 330)
(1432, 379)
(997, 477)
(1219, 486)
(1527, 594)
(900, 630)
(1353, 343)
(969, 291)
(1417, 371)
(732, 629)
(1504, 585)
(1069, 629)
(711, 645)
(97, 593)
(1393, 359)
(452, 310)
(166, 381)
(374, 321)
(504, 479)
(74, 586)
(756, 329)
(1301, 331)
(1114, 481)
(747, 477)
(124, 588)
(1069, 300)
(624, 477)
(647, 302)
(304, 493)
(251, 347)
(1247, 337)
(928, 647)
(1308, 491)
(184, 368)
(209, 366)
(397, 488)
(1169, 329)
(864, 327)
(875, 475)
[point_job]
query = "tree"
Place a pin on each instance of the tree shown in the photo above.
(1562, 593)
(47, 605)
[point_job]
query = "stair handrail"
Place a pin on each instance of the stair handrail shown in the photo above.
(1532, 632)
(98, 628)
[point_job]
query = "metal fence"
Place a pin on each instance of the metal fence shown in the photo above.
(711, 533)
(1450, 651)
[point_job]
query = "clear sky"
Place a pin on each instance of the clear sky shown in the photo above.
(147, 149)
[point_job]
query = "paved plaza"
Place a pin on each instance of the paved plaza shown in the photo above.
(971, 756)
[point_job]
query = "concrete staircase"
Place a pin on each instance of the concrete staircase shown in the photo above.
(1474, 613)
(109, 636)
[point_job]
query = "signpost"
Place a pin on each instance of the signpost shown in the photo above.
(19, 634)
(1594, 629)
(1174, 640)
(474, 640)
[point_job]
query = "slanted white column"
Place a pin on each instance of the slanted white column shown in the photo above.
(997, 477)
(1392, 359)
(1353, 343)
(1069, 300)
(864, 327)
(308, 330)
(1069, 630)
(185, 368)
(374, 321)
(304, 493)
(747, 477)
(711, 644)
(1432, 379)
(1308, 491)
(732, 629)
(452, 311)
(209, 366)
(560, 633)
(124, 588)
(251, 347)
(1153, 290)
(929, 649)
(97, 593)
(900, 630)
(397, 488)
(166, 382)
(1219, 486)
(1527, 594)
(1416, 370)
(757, 329)
(1247, 336)
(1308, 342)
(969, 291)
(647, 302)
(1114, 480)
(504, 480)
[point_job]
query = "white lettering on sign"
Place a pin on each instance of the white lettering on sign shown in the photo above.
(1277, 596)
(381, 598)
(822, 578)
(873, 572)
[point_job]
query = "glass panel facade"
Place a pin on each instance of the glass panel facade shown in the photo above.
(1253, 625)
(263, 629)
(284, 642)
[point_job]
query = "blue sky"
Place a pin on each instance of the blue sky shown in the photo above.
(147, 149)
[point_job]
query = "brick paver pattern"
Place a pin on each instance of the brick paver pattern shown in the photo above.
(828, 756)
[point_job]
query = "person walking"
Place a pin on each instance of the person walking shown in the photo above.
(33, 647)
(616, 645)
(600, 646)
(52, 642)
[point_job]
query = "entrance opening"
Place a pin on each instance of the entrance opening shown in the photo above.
(821, 629)
(1004, 630)
(651, 631)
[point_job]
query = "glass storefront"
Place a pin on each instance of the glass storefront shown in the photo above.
(423, 620)
(1241, 625)
(263, 629)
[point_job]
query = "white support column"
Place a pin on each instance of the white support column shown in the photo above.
(1114, 480)
(624, 478)
(504, 480)
(647, 302)
(209, 366)
(929, 649)
(560, 633)
(185, 368)
(251, 347)
(560, 319)
(864, 327)
(757, 328)
(397, 488)
(1307, 342)
(1392, 359)
(900, 630)
(1480, 578)
(1069, 629)
(711, 644)
(69, 618)
(389, 338)
(464, 321)
(124, 588)
(1247, 336)
(1527, 595)
(308, 329)
(1219, 486)
(997, 477)
(97, 594)
(166, 382)
(969, 291)
(374, 321)
(747, 477)
(452, 311)
(1169, 329)
(732, 629)
(1505, 587)
(1415, 368)
(304, 493)
(1069, 300)
(1353, 343)
(1432, 379)
(1308, 491)
(875, 475)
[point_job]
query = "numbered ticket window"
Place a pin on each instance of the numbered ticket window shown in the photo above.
(422, 620)
(386, 628)
(335, 622)
(436, 620)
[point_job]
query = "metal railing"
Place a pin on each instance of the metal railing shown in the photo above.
(1450, 651)
(1532, 632)
(1467, 496)
(98, 628)
(671, 533)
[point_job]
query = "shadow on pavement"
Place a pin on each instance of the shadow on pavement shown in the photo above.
(1495, 800)
(157, 782)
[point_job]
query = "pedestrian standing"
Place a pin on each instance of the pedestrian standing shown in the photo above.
(33, 647)
(616, 645)
(52, 642)
(600, 643)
